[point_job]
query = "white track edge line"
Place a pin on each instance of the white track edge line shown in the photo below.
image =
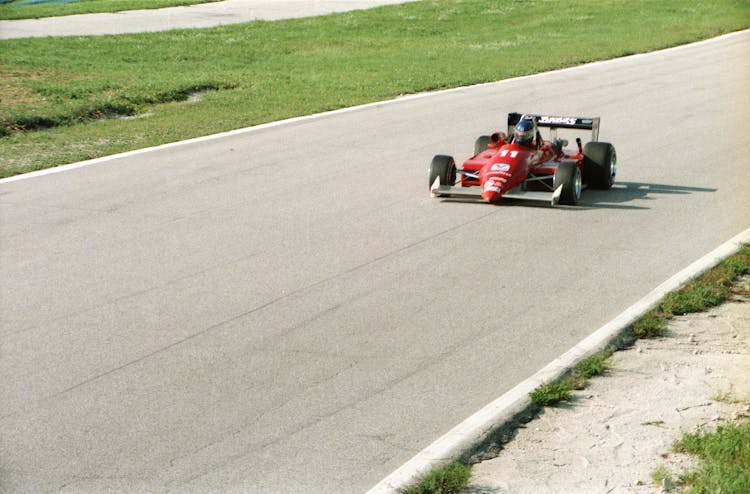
(289, 121)
(469, 432)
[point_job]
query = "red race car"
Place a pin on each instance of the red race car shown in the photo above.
(523, 165)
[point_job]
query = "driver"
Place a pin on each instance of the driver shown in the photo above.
(524, 133)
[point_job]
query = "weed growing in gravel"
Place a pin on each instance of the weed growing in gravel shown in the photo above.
(449, 479)
(651, 325)
(577, 379)
(663, 477)
(552, 393)
(596, 365)
(725, 397)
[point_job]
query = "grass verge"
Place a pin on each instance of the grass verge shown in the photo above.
(62, 99)
(724, 460)
(16, 10)
(708, 290)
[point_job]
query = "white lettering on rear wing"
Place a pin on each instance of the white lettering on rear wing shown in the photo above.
(562, 122)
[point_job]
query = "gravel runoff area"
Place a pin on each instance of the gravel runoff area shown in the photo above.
(617, 431)
(192, 16)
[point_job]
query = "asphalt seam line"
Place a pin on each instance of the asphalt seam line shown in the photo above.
(401, 99)
(472, 430)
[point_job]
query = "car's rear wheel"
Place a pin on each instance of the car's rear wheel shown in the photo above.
(444, 167)
(599, 164)
(569, 176)
(481, 144)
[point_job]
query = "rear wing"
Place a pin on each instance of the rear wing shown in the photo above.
(555, 122)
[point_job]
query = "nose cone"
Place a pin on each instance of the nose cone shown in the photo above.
(496, 180)
(493, 189)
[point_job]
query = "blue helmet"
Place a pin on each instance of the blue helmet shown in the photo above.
(524, 132)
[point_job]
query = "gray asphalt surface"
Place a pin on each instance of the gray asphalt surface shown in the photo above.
(192, 16)
(288, 310)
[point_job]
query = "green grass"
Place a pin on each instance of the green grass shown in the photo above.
(61, 99)
(449, 479)
(708, 290)
(661, 476)
(724, 460)
(552, 393)
(560, 391)
(11, 11)
(653, 324)
(697, 296)
(596, 365)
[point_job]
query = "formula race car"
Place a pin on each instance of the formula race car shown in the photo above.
(521, 164)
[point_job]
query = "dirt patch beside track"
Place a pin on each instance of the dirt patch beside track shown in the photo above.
(614, 433)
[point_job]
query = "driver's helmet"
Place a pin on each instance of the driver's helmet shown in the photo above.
(524, 132)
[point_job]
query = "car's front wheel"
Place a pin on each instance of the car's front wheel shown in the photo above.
(444, 167)
(569, 176)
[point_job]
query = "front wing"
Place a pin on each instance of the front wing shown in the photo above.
(438, 190)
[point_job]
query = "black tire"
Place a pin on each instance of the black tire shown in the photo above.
(569, 176)
(599, 164)
(481, 144)
(444, 167)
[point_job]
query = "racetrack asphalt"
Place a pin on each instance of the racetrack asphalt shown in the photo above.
(232, 315)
